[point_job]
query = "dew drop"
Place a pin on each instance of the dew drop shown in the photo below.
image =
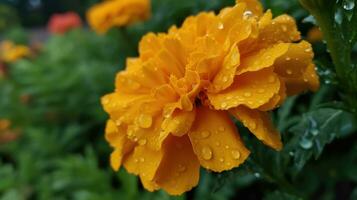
(224, 105)
(118, 122)
(284, 28)
(142, 142)
(205, 134)
(247, 14)
(247, 94)
(206, 153)
(221, 160)
(253, 125)
(257, 175)
(307, 50)
(181, 168)
(287, 58)
(261, 91)
(225, 79)
(221, 128)
(305, 143)
(271, 79)
(235, 154)
(288, 71)
(145, 121)
(348, 4)
(314, 132)
(220, 26)
(227, 147)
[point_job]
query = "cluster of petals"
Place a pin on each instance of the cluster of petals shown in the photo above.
(10, 52)
(173, 106)
(116, 13)
(62, 23)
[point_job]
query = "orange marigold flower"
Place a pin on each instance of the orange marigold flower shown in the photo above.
(171, 108)
(9, 52)
(116, 13)
(61, 23)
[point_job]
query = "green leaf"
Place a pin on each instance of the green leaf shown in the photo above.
(278, 195)
(315, 130)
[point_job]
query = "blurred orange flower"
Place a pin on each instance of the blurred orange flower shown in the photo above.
(62, 23)
(171, 109)
(9, 52)
(5, 134)
(314, 35)
(116, 13)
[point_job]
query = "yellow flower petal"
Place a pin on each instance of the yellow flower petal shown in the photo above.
(280, 29)
(179, 169)
(144, 162)
(216, 141)
(262, 59)
(117, 139)
(294, 62)
(259, 123)
(252, 89)
(179, 123)
(276, 100)
(308, 81)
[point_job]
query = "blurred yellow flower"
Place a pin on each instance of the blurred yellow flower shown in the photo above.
(9, 52)
(171, 109)
(314, 35)
(116, 13)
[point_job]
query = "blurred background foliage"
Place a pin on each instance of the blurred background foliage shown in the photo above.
(58, 150)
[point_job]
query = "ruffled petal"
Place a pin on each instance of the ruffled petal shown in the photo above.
(144, 162)
(116, 137)
(179, 169)
(259, 123)
(276, 100)
(216, 141)
(179, 123)
(262, 59)
(294, 62)
(252, 89)
(280, 29)
(308, 81)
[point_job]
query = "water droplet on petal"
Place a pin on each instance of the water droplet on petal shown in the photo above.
(118, 122)
(221, 160)
(144, 120)
(288, 71)
(224, 105)
(220, 26)
(142, 142)
(247, 94)
(287, 58)
(181, 168)
(261, 91)
(247, 14)
(206, 153)
(235, 154)
(227, 147)
(271, 79)
(221, 128)
(205, 134)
